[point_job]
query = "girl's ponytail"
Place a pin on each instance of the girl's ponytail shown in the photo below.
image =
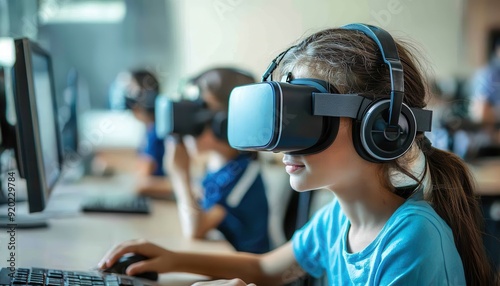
(453, 197)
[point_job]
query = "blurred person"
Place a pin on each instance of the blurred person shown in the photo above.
(373, 232)
(485, 104)
(232, 198)
(140, 89)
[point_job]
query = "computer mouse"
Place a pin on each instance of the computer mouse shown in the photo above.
(121, 266)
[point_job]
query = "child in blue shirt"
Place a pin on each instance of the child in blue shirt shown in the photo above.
(373, 232)
(244, 228)
(140, 94)
(233, 187)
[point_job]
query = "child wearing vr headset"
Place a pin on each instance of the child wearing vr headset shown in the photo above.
(141, 91)
(348, 114)
(232, 187)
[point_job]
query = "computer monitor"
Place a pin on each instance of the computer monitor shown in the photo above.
(38, 146)
(3, 110)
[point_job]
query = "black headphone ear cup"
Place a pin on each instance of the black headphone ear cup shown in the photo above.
(374, 141)
(219, 125)
(356, 139)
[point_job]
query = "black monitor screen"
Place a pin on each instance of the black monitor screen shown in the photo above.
(38, 146)
(46, 117)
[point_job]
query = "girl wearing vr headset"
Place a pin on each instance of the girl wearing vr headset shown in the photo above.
(413, 220)
(233, 186)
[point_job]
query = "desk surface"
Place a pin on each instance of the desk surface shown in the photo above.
(77, 241)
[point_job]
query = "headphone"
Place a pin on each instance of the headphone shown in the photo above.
(384, 129)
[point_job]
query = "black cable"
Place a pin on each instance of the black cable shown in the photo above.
(268, 74)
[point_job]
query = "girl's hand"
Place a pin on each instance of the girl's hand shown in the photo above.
(160, 260)
(234, 282)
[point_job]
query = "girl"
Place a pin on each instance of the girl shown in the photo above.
(371, 233)
(233, 187)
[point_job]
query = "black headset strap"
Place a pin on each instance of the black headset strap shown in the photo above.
(390, 55)
(349, 105)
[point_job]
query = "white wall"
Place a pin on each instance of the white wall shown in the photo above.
(250, 33)
(435, 26)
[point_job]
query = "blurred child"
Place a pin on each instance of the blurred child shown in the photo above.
(233, 188)
(141, 89)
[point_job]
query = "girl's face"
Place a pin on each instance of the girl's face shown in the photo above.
(335, 168)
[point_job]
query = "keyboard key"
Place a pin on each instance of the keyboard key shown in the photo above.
(54, 277)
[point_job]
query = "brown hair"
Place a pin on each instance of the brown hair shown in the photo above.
(352, 63)
(221, 81)
(144, 97)
(146, 80)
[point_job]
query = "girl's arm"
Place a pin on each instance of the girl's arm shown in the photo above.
(195, 222)
(274, 268)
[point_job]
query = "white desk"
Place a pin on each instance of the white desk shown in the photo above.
(77, 241)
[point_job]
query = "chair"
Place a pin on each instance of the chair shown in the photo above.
(279, 195)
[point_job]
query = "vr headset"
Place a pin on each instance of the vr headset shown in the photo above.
(301, 116)
(144, 99)
(187, 117)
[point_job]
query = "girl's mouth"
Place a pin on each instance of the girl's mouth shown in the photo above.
(292, 168)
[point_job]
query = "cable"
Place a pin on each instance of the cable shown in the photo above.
(268, 74)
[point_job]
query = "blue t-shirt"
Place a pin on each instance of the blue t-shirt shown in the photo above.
(239, 188)
(154, 148)
(415, 247)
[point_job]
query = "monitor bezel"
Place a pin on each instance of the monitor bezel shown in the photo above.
(27, 128)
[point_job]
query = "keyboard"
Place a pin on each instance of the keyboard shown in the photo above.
(51, 277)
(117, 204)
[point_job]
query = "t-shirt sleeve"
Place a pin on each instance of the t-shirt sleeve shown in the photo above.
(309, 242)
(412, 258)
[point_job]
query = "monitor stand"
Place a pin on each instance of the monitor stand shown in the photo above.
(6, 142)
(21, 220)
